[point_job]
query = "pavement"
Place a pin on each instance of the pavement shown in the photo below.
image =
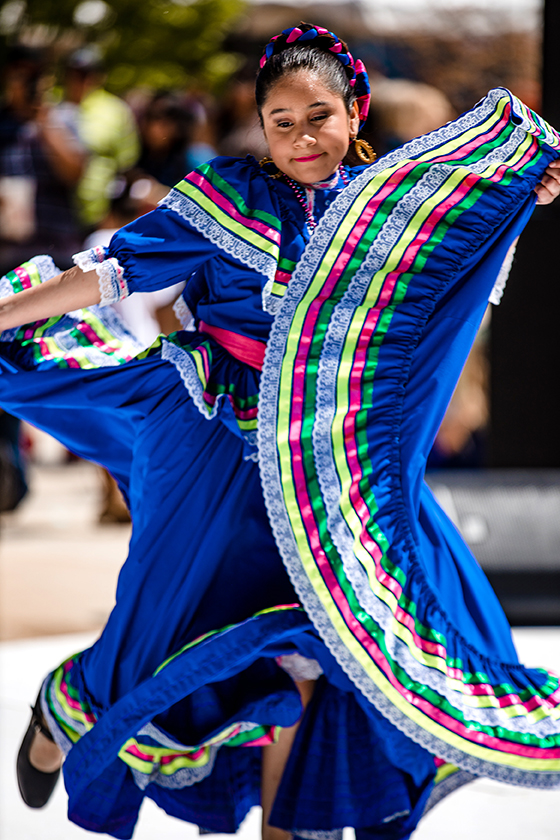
(58, 570)
(58, 567)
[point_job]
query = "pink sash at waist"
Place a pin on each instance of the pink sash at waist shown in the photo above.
(248, 350)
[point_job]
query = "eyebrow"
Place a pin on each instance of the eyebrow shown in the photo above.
(283, 110)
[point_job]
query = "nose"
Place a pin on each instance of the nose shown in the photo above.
(303, 139)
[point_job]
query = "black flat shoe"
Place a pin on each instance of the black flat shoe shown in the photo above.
(35, 786)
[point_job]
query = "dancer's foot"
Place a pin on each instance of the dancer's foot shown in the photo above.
(38, 762)
(44, 754)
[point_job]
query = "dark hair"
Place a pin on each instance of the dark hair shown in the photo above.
(169, 106)
(296, 58)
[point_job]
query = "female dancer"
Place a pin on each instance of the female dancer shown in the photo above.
(383, 628)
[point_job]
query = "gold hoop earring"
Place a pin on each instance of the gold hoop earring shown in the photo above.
(269, 163)
(363, 150)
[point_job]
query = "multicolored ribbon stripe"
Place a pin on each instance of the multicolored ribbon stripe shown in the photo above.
(67, 347)
(218, 211)
(74, 717)
(508, 729)
(282, 277)
(207, 379)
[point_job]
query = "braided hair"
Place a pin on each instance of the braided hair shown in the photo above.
(315, 49)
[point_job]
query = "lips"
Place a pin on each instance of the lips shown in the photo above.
(308, 159)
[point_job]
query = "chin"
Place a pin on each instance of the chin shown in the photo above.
(308, 174)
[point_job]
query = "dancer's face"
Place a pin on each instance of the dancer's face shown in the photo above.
(308, 127)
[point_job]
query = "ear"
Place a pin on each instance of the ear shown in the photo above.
(354, 120)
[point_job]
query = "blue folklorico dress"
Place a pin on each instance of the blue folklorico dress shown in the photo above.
(327, 559)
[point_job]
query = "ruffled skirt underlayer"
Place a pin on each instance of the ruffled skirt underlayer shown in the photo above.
(204, 594)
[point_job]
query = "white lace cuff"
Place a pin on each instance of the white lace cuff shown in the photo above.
(112, 284)
(90, 259)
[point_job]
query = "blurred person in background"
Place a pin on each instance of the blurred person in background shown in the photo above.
(402, 109)
(168, 131)
(107, 129)
(13, 484)
(41, 162)
(239, 127)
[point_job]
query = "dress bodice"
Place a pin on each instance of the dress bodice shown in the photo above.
(215, 247)
(234, 235)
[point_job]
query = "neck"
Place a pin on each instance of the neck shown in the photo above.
(305, 195)
(327, 183)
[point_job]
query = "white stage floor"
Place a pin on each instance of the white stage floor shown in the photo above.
(484, 810)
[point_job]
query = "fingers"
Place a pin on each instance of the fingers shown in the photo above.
(552, 184)
(543, 195)
(549, 187)
(553, 170)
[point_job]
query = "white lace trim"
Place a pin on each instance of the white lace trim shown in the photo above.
(186, 367)
(112, 284)
(62, 333)
(270, 302)
(184, 363)
(90, 259)
(60, 738)
(183, 314)
(270, 475)
(222, 238)
(46, 268)
(299, 667)
(499, 286)
(329, 481)
(447, 786)
(116, 326)
(6, 288)
(185, 776)
(520, 119)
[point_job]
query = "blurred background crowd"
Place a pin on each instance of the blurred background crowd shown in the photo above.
(106, 104)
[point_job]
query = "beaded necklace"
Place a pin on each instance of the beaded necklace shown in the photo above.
(299, 193)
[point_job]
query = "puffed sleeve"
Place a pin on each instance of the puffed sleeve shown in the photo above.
(223, 208)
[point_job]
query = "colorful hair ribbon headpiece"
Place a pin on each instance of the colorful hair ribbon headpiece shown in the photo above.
(305, 33)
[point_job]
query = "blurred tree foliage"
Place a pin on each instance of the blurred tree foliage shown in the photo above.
(154, 43)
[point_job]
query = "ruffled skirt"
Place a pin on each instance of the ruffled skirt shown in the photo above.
(193, 668)
(384, 604)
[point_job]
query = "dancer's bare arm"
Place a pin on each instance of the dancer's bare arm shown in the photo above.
(73, 289)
